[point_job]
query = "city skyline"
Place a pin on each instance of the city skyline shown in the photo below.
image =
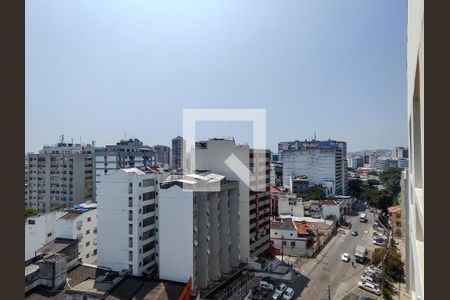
(104, 69)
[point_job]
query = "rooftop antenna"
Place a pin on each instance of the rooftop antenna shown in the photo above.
(314, 135)
(62, 138)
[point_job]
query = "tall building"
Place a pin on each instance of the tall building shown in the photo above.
(124, 154)
(198, 230)
(254, 206)
(162, 155)
(178, 145)
(127, 219)
(323, 162)
(401, 152)
(413, 184)
(60, 176)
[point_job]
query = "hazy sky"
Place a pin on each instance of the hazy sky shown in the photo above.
(95, 69)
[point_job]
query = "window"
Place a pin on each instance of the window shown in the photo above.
(88, 231)
(87, 244)
(31, 222)
(293, 244)
(148, 234)
(130, 268)
(148, 196)
(148, 247)
(130, 201)
(148, 208)
(95, 252)
(284, 243)
(148, 182)
(130, 242)
(49, 234)
(148, 259)
(89, 219)
(130, 228)
(130, 215)
(87, 255)
(148, 221)
(130, 255)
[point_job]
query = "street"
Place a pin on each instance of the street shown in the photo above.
(328, 271)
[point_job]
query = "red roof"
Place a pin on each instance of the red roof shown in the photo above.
(328, 202)
(394, 209)
(274, 190)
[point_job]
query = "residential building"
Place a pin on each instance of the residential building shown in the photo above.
(403, 163)
(323, 162)
(413, 183)
(254, 206)
(162, 155)
(299, 184)
(401, 152)
(78, 223)
(331, 208)
(178, 152)
(127, 219)
(274, 193)
(198, 229)
(355, 162)
(59, 176)
(290, 204)
(395, 219)
(381, 164)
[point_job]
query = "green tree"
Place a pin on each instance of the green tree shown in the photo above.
(355, 188)
(387, 287)
(314, 193)
(377, 256)
(390, 178)
(29, 212)
(381, 199)
(373, 182)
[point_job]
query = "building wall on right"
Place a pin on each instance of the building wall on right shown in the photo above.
(413, 177)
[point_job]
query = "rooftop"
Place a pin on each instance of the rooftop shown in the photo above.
(56, 246)
(282, 224)
(328, 202)
(394, 209)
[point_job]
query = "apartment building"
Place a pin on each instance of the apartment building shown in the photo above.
(290, 204)
(162, 155)
(323, 162)
(59, 176)
(178, 152)
(254, 206)
(78, 223)
(127, 219)
(413, 178)
(198, 229)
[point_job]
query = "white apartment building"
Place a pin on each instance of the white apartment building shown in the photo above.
(290, 204)
(79, 223)
(254, 207)
(59, 176)
(413, 183)
(198, 230)
(127, 219)
(323, 162)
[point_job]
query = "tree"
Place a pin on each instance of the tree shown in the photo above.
(377, 256)
(381, 199)
(387, 288)
(331, 218)
(390, 178)
(29, 212)
(373, 182)
(355, 188)
(314, 193)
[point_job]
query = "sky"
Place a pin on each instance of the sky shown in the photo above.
(103, 70)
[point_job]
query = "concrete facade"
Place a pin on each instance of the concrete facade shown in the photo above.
(178, 150)
(198, 231)
(254, 207)
(59, 176)
(290, 204)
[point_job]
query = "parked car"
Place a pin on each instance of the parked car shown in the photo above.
(281, 289)
(276, 296)
(369, 279)
(378, 242)
(369, 287)
(345, 257)
(289, 294)
(266, 285)
(354, 232)
(373, 269)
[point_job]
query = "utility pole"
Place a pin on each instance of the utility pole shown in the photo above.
(329, 292)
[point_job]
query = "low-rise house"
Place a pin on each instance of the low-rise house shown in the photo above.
(395, 219)
(290, 204)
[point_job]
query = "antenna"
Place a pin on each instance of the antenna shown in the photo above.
(62, 138)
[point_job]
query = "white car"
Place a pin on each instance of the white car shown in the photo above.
(266, 285)
(281, 289)
(276, 296)
(289, 294)
(369, 279)
(373, 269)
(345, 257)
(369, 287)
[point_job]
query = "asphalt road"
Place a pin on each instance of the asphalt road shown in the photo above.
(327, 269)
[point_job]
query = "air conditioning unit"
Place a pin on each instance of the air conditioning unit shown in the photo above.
(195, 243)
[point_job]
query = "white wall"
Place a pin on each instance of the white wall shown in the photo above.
(331, 210)
(176, 234)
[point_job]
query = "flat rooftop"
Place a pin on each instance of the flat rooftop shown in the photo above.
(143, 289)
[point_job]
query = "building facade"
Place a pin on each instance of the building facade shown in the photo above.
(323, 162)
(178, 151)
(290, 204)
(254, 206)
(162, 155)
(127, 219)
(60, 176)
(413, 182)
(79, 223)
(198, 230)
